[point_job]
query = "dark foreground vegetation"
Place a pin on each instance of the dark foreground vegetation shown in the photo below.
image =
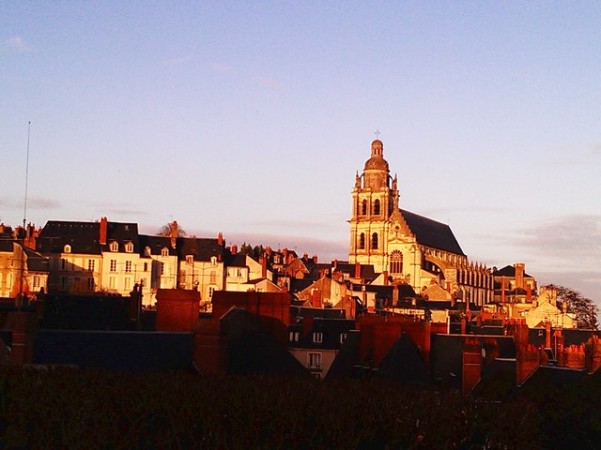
(67, 408)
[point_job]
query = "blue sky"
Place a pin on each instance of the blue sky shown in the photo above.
(252, 118)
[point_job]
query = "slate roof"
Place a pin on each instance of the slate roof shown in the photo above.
(83, 237)
(202, 248)
(385, 292)
(404, 363)
(330, 328)
(347, 358)
(366, 270)
(132, 351)
(252, 349)
(431, 233)
(507, 271)
(156, 244)
(122, 232)
(235, 260)
(305, 311)
(35, 261)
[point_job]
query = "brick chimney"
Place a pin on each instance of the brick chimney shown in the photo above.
(547, 334)
(263, 261)
(357, 270)
(220, 241)
(234, 249)
(519, 275)
(173, 234)
(103, 231)
(314, 259)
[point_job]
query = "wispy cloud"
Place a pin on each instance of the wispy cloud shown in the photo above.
(183, 60)
(587, 283)
(43, 203)
(17, 43)
(32, 203)
(568, 156)
(270, 83)
(573, 240)
(220, 68)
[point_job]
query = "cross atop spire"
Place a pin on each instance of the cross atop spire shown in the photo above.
(377, 133)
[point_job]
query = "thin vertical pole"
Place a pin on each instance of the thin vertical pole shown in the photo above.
(19, 302)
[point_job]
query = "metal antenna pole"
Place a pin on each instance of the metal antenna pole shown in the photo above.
(20, 299)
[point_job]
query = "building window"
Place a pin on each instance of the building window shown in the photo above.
(162, 268)
(67, 248)
(128, 266)
(91, 264)
(374, 241)
(190, 259)
(213, 260)
(362, 241)
(113, 266)
(145, 267)
(314, 360)
(377, 208)
(165, 251)
(90, 284)
(364, 207)
(129, 247)
(63, 264)
(36, 281)
(213, 277)
(396, 262)
(211, 290)
(317, 337)
(112, 282)
(127, 285)
(114, 246)
(294, 335)
(343, 337)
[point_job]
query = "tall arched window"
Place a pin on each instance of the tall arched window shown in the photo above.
(362, 241)
(377, 208)
(364, 207)
(374, 241)
(396, 262)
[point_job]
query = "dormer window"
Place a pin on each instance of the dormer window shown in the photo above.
(147, 251)
(213, 260)
(317, 337)
(114, 246)
(190, 259)
(164, 251)
(129, 247)
(67, 248)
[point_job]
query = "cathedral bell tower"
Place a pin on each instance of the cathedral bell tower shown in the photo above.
(375, 201)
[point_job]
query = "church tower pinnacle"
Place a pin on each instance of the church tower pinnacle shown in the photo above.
(375, 200)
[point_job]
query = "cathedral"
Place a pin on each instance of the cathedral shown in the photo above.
(406, 247)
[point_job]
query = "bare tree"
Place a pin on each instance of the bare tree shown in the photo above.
(168, 228)
(584, 308)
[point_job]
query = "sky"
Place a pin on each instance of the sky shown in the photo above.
(252, 119)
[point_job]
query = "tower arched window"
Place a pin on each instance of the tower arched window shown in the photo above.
(362, 241)
(374, 241)
(396, 262)
(377, 208)
(364, 207)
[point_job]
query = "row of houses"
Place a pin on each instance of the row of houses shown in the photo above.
(260, 332)
(114, 258)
